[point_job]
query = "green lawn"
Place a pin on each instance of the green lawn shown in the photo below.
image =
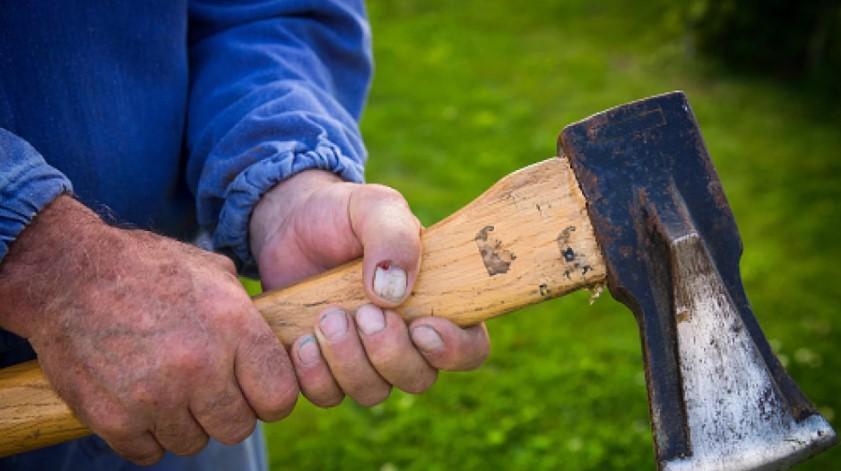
(467, 91)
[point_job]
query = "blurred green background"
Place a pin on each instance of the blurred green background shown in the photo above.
(467, 91)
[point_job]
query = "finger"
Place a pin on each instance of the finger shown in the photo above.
(390, 236)
(222, 411)
(178, 432)
(340, 345)
(386, 341)
(264, 372)
(447, 346)
(123, 432)
(126, 433)
(314, 375)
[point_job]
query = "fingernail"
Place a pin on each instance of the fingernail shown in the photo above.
(308, 351)
(427, 339)
(370, 319)
(333, 324)
(390, 282)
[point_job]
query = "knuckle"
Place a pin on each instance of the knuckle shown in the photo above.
(186, 358)
(460, 358)
(385, 351)
(170, 436)
(182, 447)
(420, 382)
(217, 407)
(470, 360)
(450, 359)
(181, 438)
(320, 389)
(111, 425)
(372, 396)
(226, 417)
(280, 405)
(261, 346)
(237, 431)
(141, 394)
(331, 398)
(230, 309)
(381, 194)
(386, 193)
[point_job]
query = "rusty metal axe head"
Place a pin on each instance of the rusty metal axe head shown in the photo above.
(718, 397)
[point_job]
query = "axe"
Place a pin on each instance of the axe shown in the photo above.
(631, 200)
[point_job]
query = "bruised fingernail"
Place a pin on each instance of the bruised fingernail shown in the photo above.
(308, 351)
(370, 319)
(333, 324)
(390, 282)
(427, 339)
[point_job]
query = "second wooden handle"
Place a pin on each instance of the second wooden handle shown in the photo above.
(527, 239)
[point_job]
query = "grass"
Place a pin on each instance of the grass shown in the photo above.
(467, 91)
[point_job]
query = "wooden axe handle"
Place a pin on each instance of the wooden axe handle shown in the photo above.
(527, 239)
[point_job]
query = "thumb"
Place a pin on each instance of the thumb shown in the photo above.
(390, 237)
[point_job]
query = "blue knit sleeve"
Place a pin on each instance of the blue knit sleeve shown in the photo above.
(277, 87)
(27, 184)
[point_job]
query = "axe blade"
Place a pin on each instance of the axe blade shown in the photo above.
(718, 397)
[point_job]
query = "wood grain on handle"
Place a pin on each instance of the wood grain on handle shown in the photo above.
(527, 239)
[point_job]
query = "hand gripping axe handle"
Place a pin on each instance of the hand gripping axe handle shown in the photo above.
(632, 200)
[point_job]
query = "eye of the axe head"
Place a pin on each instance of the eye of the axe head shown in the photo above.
(718, 397)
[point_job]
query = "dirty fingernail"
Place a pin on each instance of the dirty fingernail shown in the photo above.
(370, 319)
(427, 339)
(308, 351)
(333, 324)
(390, 282)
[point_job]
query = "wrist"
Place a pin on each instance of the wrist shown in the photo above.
(277, 204)
(45, 260)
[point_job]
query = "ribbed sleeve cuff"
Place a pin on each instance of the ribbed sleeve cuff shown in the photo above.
(244, 192)
(27, 185)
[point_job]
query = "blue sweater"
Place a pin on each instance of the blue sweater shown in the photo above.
(171, 115)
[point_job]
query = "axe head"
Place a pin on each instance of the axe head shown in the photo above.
(718, 397)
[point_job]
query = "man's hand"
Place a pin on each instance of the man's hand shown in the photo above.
(313, 222)
(153, 343)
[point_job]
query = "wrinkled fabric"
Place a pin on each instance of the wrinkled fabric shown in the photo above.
(27, 184)
(173, 116)
(261, 109)
(92, 454)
